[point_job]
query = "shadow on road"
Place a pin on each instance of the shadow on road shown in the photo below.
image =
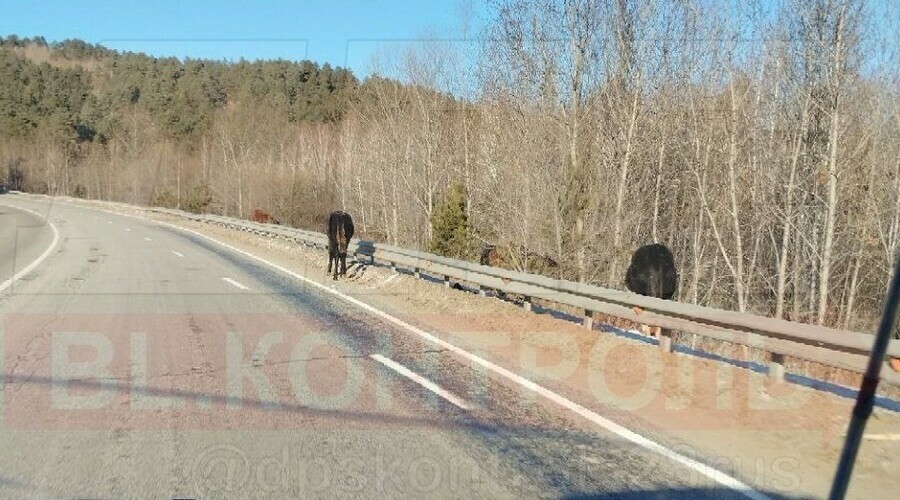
(555, 456)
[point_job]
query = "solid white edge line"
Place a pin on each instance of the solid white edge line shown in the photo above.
(424, 382)
(699, 467)
(30, 267)
(235, 283)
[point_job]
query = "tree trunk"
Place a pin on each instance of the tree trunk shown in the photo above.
(788, 214)
(620, 191)
(659, 170)
(831, 211)
(738, 269)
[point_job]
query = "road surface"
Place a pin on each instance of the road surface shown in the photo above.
(142, 361)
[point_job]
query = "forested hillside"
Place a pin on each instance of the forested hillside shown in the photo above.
(760, 142)
(87, 121)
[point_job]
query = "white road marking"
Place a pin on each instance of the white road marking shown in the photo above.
(234, 283)
(178, 253)
(619, 430)
(882, 437)
(30, 267)
(128, 229)
(147, 239)
(424, 382)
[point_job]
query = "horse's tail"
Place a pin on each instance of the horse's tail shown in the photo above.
(342, 238)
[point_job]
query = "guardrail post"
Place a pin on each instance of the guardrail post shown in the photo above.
(417, 274)
(776, 366)
(665, 340)
(588, 320)
(447, 281)
(526, 303)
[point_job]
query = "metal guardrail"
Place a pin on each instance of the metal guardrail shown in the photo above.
(841, 349)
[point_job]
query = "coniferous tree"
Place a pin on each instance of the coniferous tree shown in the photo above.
(450, 223)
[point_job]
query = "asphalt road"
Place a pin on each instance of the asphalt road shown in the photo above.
(141, 361)
(23, 238)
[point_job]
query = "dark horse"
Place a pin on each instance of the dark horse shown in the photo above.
(652, 273)
(340, 230)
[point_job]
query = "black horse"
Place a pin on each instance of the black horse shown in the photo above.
(652, 273)
(340, 230)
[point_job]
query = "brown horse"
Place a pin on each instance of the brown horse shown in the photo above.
(262, 217)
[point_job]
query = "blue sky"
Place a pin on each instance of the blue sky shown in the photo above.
(340, 32)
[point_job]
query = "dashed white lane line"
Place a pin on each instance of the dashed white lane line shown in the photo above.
(147, 239)
(234, 283)
(178, 253)
(424, 382)
(128, 229)
(882, 437)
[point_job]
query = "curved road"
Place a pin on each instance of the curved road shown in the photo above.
(143, 361)
(24, 237)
